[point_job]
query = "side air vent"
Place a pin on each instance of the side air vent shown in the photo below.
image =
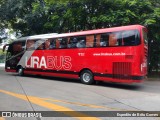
(122, 70)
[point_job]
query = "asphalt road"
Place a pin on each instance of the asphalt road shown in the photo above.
(37, 93)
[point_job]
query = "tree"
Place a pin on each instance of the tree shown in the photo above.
(43, 16)
(48, 16)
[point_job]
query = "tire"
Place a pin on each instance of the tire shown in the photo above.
(20, 71)
(87, 77)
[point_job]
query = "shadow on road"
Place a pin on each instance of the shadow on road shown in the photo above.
(101, 84)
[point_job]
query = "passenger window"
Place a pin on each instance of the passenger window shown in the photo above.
(131, 38)
(120, 38)
(39, 45)
(47, 44)
(104, 40)
(81, 42)
(72, 42)
(52, 43)
(63, 42)
(113, 40)
(90, 41)
(30, 45)
(108, 39)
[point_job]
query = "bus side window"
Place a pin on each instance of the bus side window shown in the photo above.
(104, 40)
(89, 41)
(73, 42)
(52, 43)
(39, 45)
(113, 40)
(81, 42)
(131, 38)
(63, 42)
(47, 44)
(30, 44)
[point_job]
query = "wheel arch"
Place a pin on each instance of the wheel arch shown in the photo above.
(83, 70)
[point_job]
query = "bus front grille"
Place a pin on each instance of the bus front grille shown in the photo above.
(122, 70)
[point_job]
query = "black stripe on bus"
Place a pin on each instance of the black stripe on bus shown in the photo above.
(119, 76)
(53, 71)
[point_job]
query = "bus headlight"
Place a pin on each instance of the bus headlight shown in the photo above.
(8, 68)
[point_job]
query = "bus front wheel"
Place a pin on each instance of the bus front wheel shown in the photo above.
(20, 71)
(86, 77)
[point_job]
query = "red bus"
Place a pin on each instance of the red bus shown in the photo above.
(117, 54)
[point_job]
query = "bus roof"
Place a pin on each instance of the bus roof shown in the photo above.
(104, 30)
(88, 32)
(41, 36)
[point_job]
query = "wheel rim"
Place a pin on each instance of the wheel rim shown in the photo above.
(20, 71)
(86, 77)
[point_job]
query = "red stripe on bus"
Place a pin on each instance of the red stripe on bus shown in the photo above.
(52, 74)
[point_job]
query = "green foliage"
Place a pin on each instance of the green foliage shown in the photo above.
(50, 16)
(46, 16)
(2, 56)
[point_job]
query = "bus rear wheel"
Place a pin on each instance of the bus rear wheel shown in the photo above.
(20, 71)
(86, 77)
